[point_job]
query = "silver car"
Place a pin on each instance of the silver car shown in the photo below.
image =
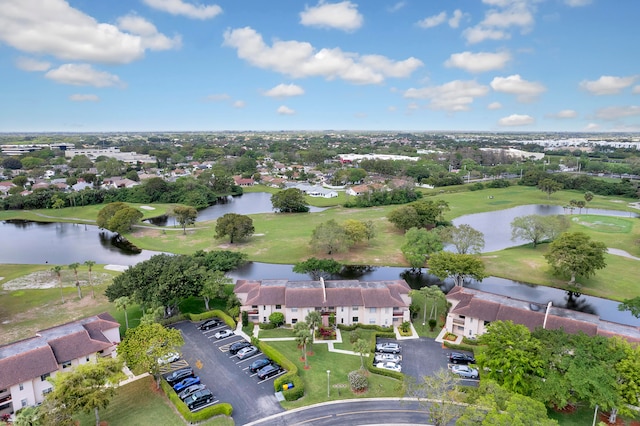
(465, 371)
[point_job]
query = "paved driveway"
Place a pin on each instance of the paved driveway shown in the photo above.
(228, 378)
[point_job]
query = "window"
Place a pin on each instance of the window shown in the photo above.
(372, 321)
(372, 310)
(264, 319)
(354, 319)
(278, 306)
(461, 316)
(254, 306)
(21, 386)
(87, 358)
(332, 308)
(44, 377)
(47, 390)
(295, 320)
(66, 364)
(294, 309)
(23, 402)
(355, 308)
(486, 323)
(341, 320)
(341, 308)
(264, 307)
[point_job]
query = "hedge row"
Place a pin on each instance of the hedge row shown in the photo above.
(215, 313)
(291, 376)
(370, 359)
(204, 414)
(461, 346)
(366, 327)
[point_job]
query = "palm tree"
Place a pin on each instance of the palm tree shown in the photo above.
(432, 293)
(90, 264)
(588, 196)
(303, 337)
(361, 346)
(314, 319)
(57, 270)
(121, 304)
(75, 267)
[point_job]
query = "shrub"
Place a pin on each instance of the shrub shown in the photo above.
(215, 313)
(245, 317)
(358, 381)
(326, 333)
(461, 347)
(354, 336)
(276, 318)
(266, 326)
(406, 326)
(432, 324)
(476, 187)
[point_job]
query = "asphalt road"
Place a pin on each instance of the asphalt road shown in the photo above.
(227, 377)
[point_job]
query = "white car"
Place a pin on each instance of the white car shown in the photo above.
(222, 334)
(169, 358)
(465, 371)
(387, 358)
(389, 366)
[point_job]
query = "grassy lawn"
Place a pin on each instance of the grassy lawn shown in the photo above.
(315, 378)
(424, 331)
(139, 403)
(276, 332)
(346, 338)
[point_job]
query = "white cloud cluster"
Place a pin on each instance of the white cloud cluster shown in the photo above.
(83, 75)
(343, 16)
(577, 3)
(284, 91)
(526, 91)
(565, 113)
(494, 105)
(179, 7)
(285, 110)
(478, 62)
(499, 19)
(516, 120)
(84, 98)
(300, 59)
(54, 28)
(30, 64)
(608, 84)
(454, 96)
(151, 38)
(441, 18)
(617, 112)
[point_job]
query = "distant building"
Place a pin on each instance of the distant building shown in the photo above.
(383, 303)
(26, 365)
(127, 157)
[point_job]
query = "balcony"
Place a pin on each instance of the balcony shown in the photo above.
(457, 321)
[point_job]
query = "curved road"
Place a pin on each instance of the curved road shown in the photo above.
(371, 411)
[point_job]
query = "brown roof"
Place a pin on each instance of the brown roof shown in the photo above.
(26, 365)
(267, 296)
(76, 345)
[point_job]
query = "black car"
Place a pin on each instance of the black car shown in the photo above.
(268, 371)
(198, 399)
(258, 364)
(461, 358)
(179, 375)
(188, 391)
(210, 323)
(235, 347)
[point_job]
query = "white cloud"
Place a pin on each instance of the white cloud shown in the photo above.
(516, 120)
(392, 108)
(636, 90)
(433, 21)
(179, 7)
(300, 59)
(617, 112)
(30, 64)
(477, 34)
(454, 21)
(285, 110)
(83, 75)
(343, 16)
(239, 104)
(284, 90)
(592, 126)
(565, 113)
(455, 95)
(478, 62)
(494, 105)
(218, 97)
(608, 84)
(148, 32)
(55, 28)
(515, 85)
(577, 3)
(396, 7)
(84, 98)
(516, 15)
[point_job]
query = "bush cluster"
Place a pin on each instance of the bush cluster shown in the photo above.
(266, 326)
(200, 415)
(291, 376)
(461, 347)
(358, 381)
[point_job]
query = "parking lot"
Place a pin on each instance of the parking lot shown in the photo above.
(227, 376)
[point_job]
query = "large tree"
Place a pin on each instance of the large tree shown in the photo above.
(235, 226)
(549, 186)
(511, 357)
(213, 286)
(143, 345)
(318, 268)
(464, 238)
(289, 201)
(575, 254)
(537, 228)
(458, 266)
(437, 393)
(118, 217)
(329, 237)
(185, 215)
(88, 387)
(419, 244)
(419, 214)
(75, 266)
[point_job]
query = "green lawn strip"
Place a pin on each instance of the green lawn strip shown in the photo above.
(139, 403)
(276, 332)
(418, 300)
(85, 214)
(346, 338)
(315, 378)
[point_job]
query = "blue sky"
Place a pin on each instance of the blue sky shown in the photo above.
(413, 65)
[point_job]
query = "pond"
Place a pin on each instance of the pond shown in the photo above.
(496, 226)
(250, 203)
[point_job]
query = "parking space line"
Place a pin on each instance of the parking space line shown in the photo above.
(247, 359)
(205, 406)
(272, 377)
(220, 327)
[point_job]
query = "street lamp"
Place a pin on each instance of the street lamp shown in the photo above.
(328, 375)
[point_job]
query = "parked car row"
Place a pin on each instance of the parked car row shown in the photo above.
(387, 356)
(188, 387)
(461, 367)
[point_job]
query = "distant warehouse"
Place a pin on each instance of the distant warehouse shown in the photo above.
(114, 152)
